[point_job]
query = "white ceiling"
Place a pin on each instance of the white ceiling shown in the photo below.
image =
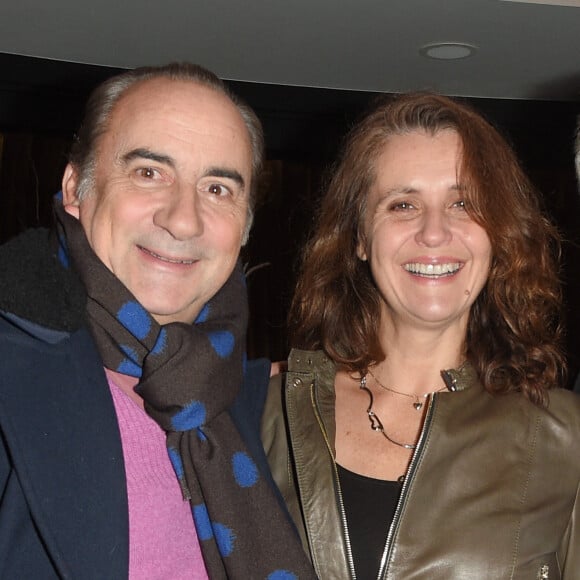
(525, 50)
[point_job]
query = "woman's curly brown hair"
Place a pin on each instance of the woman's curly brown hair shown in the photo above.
(514, 330)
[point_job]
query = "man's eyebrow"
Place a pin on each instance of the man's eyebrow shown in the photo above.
(227, 173)
(143, 153)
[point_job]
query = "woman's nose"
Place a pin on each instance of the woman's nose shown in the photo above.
(434, 229)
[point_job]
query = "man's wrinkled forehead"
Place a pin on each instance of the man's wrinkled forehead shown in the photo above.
(181, 110)
(189, 97)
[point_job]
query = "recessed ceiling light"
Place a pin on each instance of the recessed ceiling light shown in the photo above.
(448, 50)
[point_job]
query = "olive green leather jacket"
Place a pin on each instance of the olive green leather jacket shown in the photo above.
(491, 492)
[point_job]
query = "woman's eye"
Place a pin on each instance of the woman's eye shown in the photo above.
(459, 204)
(401, 206)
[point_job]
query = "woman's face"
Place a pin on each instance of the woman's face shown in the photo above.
(428, 258)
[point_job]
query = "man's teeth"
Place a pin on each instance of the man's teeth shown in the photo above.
(433, 269)
(170, 260)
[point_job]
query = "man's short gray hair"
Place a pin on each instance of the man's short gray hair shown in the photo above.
(103, 99)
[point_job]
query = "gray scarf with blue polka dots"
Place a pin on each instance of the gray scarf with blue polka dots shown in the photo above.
(189, 375)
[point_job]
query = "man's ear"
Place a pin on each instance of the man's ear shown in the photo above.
(70, 181)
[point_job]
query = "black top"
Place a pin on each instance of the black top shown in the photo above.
(370, 506)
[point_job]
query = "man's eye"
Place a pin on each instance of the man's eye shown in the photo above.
(218, 189)
(147, 172)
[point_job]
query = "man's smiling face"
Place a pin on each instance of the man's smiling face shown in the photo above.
(169, 203)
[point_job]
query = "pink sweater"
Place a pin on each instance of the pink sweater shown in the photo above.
(163, 543)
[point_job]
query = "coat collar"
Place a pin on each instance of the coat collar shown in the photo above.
(35, 284)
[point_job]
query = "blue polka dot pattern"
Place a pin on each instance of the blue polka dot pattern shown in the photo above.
(135, 319)
(206, 530)
(245, 470)
(130, 352)
(222, 342)
(160, 343)
(129, 366)
(202, 316)
(224, 538)
(176, 461)
(202, 523)
(282, 575)
(190, 417)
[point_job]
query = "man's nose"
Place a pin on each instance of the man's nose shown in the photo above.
(181, 215)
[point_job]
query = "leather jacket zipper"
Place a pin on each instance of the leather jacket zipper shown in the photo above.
(341, 509)
(405, 488)
(344, 524)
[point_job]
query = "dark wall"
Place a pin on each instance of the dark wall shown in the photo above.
(41, 105)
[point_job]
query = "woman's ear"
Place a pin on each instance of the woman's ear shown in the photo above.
(70, 200)
(361, 250)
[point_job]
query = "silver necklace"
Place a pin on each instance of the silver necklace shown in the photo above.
(417, 402)
(376, 423)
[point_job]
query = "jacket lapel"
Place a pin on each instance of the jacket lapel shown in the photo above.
(61, 429)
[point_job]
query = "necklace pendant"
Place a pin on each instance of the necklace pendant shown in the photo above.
(417, 405)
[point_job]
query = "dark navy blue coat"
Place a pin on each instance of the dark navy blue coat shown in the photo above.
(63, 499)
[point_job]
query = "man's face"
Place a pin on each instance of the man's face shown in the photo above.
(170, 199)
